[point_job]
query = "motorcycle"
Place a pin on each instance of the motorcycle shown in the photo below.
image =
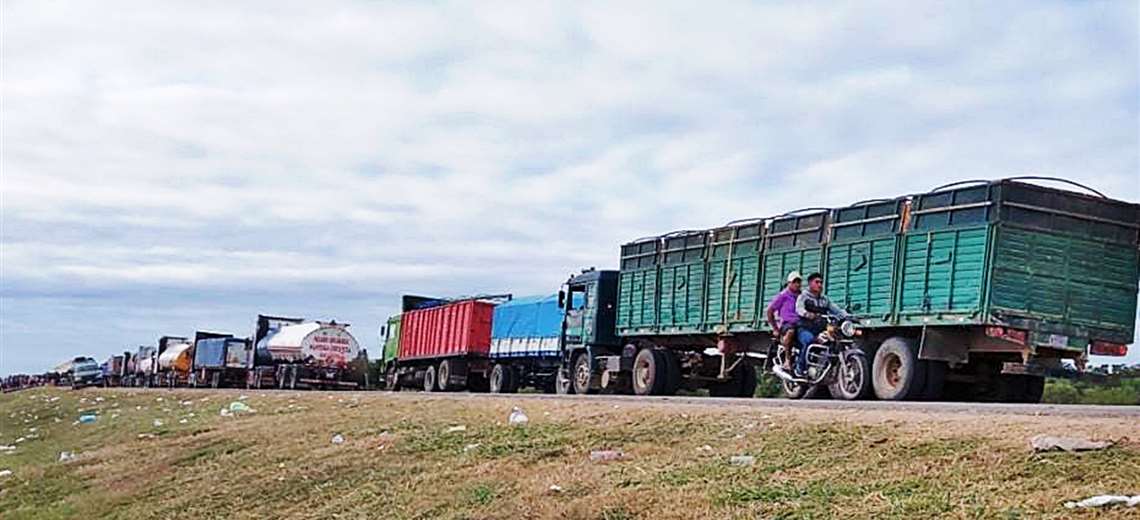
(835, 360)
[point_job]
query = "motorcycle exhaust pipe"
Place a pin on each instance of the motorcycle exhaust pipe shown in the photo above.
(780, 373)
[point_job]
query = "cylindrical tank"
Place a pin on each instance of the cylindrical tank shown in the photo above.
(176, 357)
(323, 344)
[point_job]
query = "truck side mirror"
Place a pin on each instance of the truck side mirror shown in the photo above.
(383, 331)
(561, 299)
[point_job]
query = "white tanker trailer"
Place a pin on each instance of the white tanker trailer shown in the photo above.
(294, 353)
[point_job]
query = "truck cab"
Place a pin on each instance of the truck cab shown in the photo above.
(589, 304)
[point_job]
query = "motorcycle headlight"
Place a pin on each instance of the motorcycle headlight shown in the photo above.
(847, 328)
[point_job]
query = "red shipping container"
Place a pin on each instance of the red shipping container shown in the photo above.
(452, 330)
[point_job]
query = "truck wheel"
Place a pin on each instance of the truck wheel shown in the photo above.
(854, 379)
(500, 379)
(429, 379)
(563, 384)
(392, 379)
(443, 375)
(897, 373)
(582, 375)
(648, 372)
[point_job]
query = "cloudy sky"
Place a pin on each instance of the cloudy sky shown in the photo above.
(172, 166)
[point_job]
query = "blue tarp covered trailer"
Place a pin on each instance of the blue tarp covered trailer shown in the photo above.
(526, 327)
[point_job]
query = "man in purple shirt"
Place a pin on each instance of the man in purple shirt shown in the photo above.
(782, 316)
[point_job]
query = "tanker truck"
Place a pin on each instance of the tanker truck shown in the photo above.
(293, 353)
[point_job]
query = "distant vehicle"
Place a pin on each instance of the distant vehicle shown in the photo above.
(220, 360)
(293, 353)
(85, 371)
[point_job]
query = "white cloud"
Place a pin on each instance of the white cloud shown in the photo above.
(386, 147)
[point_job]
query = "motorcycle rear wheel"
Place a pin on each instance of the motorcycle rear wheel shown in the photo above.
(798, 390)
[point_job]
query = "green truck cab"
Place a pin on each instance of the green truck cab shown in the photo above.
(975, 290)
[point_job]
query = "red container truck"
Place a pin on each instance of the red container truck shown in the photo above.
(447, 346)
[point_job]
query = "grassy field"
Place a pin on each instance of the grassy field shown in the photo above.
(170, 454)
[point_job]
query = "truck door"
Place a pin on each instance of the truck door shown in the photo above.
(579, 321)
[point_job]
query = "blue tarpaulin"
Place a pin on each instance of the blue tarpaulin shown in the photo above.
(527, 326)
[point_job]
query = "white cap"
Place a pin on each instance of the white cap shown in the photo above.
(793, 276)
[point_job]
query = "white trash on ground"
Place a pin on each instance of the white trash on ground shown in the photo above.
(5, 473)
(338, 439)
(65, 456)
(471, 447)
(555, 488)
(158, 423)
(1050, 443)
(87, 419)
(455, 429)
(1105, 500)
(607, 455)
(742, 460)
(517, 417)
(240, 407)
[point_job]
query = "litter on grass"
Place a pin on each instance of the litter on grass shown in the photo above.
(1105, 501)
(517, 417)
(1049, 443)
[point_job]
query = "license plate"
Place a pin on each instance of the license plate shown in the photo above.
(1058, 340)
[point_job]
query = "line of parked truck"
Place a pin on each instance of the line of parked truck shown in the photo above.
(976, 290)
(282, 353)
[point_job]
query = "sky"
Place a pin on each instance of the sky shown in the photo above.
(173, 166)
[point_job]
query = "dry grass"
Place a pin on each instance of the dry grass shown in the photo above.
(400, 460)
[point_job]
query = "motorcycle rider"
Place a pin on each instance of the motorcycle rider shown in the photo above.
(811, 306)
(782, 316)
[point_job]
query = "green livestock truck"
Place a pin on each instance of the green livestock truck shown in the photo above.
(976, 290)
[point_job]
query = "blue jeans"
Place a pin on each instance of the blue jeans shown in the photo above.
(805, 337)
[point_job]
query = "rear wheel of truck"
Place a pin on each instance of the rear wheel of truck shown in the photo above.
(854, 379)
(897, 373)
(443, 375)
(648, 372)
(582, 375)
(503, 380)
(429, 379)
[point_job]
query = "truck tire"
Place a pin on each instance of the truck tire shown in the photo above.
(429, 379)
(897, 373)
(649, 372)
(500, 379)
(583, 375)
(563, 383)
(443, 376)
(855, 382)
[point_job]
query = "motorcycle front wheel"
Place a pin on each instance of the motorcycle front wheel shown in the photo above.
(853, 380)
